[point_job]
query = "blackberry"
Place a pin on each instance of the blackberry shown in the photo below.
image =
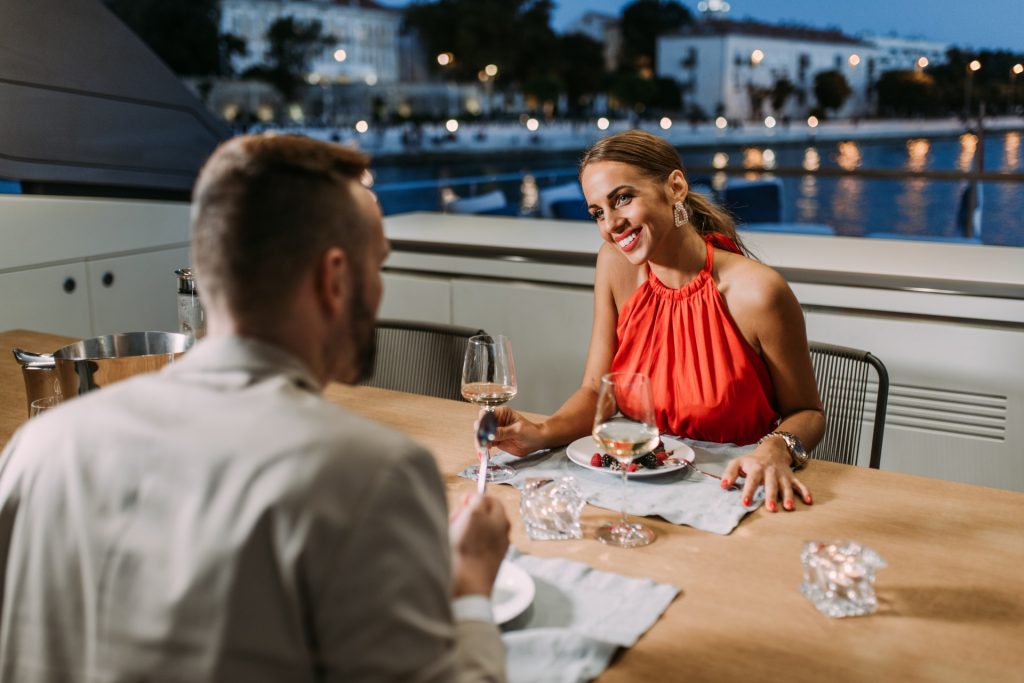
(649, 461)
(607, 460)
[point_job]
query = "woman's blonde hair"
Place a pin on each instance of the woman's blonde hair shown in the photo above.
(655, 158)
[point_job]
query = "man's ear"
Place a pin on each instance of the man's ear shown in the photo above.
(333, 280)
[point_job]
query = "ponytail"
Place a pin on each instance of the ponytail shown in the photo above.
(657, 159)
(713, 223)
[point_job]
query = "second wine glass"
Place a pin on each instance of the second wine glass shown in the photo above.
(625, 427)
(489, 380)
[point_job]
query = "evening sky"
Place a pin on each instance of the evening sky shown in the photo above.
(979, 24)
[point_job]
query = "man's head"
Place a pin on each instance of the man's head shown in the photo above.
(287, 243)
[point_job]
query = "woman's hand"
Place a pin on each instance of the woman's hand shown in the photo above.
(768, 464)
(516, 434)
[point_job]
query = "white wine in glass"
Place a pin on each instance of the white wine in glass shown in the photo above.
(625, 427)
(488, 394)
(489, 380)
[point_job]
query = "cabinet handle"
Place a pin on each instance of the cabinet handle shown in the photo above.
(69, 284)
(107, 279)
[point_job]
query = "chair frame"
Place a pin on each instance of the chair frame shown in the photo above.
(414, 382)
(830, 354)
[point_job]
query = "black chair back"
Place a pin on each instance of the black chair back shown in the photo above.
(842, 374)
(420, 358)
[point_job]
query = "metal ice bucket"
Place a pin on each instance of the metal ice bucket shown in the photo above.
(93, 363)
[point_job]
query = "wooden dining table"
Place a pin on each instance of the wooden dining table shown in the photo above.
(951, 601)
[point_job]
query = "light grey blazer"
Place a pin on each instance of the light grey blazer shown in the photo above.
(221, 521)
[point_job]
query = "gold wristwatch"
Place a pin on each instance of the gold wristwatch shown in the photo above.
(794, 445)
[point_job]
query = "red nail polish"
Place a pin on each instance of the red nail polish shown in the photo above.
(746, 501)
(771, 505)
(726, 483)
(788, 505)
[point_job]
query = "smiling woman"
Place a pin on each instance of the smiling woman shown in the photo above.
(720, 335)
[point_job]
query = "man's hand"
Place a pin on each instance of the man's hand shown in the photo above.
(479, 537)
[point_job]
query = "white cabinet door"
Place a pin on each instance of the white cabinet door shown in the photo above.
(549, 327)
(53, 299)
(416, 297)
(137, 292)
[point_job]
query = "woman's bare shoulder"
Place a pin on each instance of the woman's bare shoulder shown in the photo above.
(749, 283)
(617, 273)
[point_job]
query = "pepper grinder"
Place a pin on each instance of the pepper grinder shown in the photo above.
(191, 319)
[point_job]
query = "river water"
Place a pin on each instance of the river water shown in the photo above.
(850, 205)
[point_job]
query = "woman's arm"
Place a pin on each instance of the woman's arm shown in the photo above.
(574, 419)
(782, 336)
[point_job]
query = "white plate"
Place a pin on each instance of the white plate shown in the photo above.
(582, 450)
(512, 594)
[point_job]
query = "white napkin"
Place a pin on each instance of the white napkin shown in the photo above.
(579, 618)
(681, 497)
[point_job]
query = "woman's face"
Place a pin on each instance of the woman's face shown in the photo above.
(632, 211)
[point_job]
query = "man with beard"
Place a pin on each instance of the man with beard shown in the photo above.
(220, 520)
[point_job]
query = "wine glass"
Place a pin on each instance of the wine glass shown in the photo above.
(41, 405)
(489, 380)
(624, 425)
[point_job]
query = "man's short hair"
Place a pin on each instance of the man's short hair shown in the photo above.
(264, 208)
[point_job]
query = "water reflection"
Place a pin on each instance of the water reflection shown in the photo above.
(807, 200)
(1011, 151)
(848, 198)
(529, 193)
(719, 181)
(848, 208)
(917, 154)
(448, 196)
(968, 146)
(849, 157)
(753, 158)
(807, 195)
(912, 201)
(720, 160)
(912, 206)
(812, 159)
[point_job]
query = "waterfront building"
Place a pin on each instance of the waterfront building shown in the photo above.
(366, 36)
(907, 53)
(728, 68)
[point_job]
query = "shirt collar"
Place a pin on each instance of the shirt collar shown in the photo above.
(247, 355)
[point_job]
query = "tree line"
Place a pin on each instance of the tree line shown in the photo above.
(546, 66)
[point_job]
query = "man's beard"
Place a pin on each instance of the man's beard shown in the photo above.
(363, 326)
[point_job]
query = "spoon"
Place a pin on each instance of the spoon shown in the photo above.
(486, 430)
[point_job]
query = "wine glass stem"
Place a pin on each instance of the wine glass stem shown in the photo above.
(622, 506)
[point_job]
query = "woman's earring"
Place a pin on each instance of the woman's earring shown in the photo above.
(679, 214)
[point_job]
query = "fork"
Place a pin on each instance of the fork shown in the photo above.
(689, 463)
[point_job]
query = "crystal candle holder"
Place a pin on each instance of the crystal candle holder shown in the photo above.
(551, 508)
(839, 577)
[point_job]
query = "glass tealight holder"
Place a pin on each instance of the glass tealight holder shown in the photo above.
(839, 577)
(551, 509)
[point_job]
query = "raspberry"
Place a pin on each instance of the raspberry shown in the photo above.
(595, 460)
(632, 467)
(662, 456)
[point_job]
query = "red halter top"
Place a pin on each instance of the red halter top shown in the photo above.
(709, 384)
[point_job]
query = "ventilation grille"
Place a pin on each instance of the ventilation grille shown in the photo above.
(944, 411)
